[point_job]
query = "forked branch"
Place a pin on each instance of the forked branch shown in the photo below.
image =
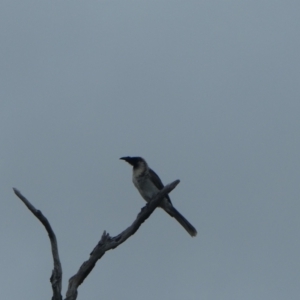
(106, 243)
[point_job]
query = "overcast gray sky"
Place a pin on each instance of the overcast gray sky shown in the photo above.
(206, 91)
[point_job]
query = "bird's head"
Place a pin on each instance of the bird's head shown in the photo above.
(136, 162)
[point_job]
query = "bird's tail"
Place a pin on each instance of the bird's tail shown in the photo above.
(173, 212)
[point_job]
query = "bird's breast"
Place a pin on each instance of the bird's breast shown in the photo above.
(145, 186)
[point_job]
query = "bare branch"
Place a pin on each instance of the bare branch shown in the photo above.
(56, 277)
(107, 243)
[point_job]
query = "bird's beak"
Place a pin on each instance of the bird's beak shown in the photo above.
(127, 159)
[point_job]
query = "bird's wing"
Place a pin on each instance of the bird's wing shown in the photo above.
(157, 181)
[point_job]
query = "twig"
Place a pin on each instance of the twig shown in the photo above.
(56, 277)
(107, 243)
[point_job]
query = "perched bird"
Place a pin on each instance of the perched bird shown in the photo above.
(148, 184)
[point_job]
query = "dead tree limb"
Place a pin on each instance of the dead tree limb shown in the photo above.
(107, 243)
(56, 277)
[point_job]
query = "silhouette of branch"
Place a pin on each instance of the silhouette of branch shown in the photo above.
(107, 243)
(56, 277)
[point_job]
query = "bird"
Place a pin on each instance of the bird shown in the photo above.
(149, 184)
